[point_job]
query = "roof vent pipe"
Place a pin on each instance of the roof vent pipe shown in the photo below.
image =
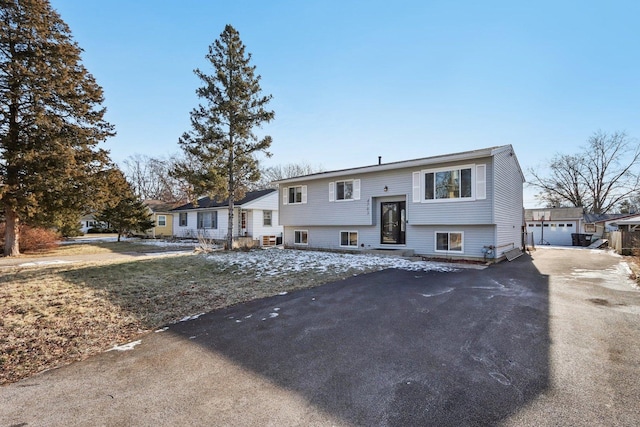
(379, 160)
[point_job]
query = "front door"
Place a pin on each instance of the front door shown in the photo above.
(393, 215)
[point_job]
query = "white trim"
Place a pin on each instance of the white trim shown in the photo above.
(481, 182)
(348, 237)
(356, 189)
(448, 251)
(416, 187)
(165, 220)
(285, 196)
(304, 194)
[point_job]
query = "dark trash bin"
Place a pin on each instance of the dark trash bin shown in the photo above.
(575, 240)
(586, 239)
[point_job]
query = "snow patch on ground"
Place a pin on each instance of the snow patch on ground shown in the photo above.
(125, 347)
(275, 262)
(38, 263)
(187, 318)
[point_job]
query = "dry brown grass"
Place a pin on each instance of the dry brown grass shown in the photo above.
(50, 316)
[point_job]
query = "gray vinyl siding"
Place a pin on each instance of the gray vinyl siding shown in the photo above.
(420, 238)
(508, 202)
(399, 183)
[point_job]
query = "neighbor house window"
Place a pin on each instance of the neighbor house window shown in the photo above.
(449, 242)
(300, 237)
(294, 195)
(208, 219)
(349, 238)
(183, 219)
(266, 218)
(162, 220)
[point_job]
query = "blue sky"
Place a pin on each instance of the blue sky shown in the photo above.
(353, 80)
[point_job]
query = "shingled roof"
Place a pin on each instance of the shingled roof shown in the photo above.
(208, 203)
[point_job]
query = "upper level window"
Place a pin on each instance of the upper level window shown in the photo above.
(294, 195)
(266, 218)
(449, 184)
(344, 190)
(466, 182)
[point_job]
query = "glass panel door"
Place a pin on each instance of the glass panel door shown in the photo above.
(392, 218)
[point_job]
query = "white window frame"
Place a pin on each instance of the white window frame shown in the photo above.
(355, 190)
(163, 219)
(214, 220)
(182, 215)
(295, 235)
(350, 232)
(303, 195)
(264, 218)
(474, 169)
(448, 250)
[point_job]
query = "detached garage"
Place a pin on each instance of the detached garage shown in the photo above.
(553, 226)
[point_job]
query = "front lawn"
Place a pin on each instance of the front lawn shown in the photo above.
(53, 315)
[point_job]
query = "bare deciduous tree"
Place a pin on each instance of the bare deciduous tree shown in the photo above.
(289, 170)
(598, 179)
(150, 178)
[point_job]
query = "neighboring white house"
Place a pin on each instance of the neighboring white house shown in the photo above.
(255, 216)
(465, 205)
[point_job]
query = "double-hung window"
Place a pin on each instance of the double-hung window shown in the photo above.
(162, 220)
(207, 220)
(182, 219)
(449, 242)
(266, 218)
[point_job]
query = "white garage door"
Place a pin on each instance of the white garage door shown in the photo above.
(557, 233)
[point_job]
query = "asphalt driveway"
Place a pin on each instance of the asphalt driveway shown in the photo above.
(551, 339)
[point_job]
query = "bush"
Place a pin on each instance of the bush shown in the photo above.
(33, 239)
(99, 230)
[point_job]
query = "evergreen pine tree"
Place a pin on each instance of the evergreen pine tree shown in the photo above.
(51, 120)
(222, 138)
(122, 210)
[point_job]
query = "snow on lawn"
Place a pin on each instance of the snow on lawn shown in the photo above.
(274, 262)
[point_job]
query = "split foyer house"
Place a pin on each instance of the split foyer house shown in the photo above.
(255, 216)
(465, 205)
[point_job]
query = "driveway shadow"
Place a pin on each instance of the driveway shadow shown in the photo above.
(398, 348)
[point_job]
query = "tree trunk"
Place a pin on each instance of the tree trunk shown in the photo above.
(11, 233)
(230, 226)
